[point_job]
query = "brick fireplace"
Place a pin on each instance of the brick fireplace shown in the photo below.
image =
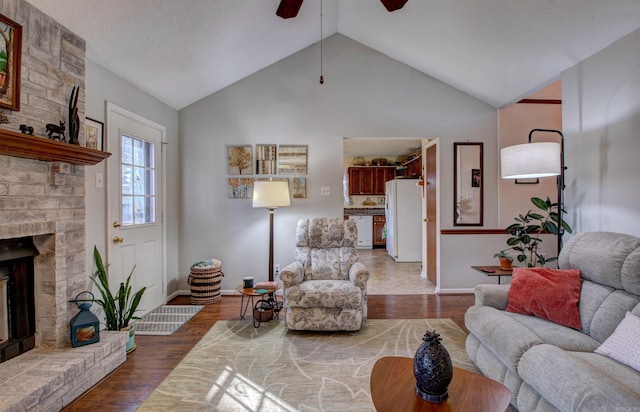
(59, 269)
(42, 198)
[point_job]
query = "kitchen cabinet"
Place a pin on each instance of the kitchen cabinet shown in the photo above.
(369, 180)
(414, 167)
(378, 231)
(361, 180)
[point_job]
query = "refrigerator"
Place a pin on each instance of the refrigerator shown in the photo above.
(403, 212)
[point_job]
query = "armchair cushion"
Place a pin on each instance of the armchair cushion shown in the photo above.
(325, 293)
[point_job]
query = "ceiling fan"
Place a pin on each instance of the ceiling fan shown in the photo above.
(289, 8)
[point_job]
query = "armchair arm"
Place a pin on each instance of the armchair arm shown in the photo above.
(496, 296)
(359, 275)
(292, 274)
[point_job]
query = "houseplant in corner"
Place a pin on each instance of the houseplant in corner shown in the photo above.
(526, 232)
(119, 309)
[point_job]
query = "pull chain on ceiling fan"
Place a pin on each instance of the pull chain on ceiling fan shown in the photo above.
(290, 8)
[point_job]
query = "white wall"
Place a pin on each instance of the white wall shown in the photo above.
(365, 94)
(601, 117)
(102, 85)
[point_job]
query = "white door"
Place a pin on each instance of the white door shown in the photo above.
(135, 205)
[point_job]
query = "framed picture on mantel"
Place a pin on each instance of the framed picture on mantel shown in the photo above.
(10, 55)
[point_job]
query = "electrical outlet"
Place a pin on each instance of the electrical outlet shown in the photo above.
(276, 268)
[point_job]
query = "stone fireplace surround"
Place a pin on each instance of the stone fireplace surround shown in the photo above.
(45, 200)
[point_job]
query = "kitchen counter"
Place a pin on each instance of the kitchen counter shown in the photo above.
(369, 211)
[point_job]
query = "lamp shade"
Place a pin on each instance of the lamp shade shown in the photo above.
(271, 194)
(530, 160)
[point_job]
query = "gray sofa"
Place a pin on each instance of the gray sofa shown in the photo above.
(549, 367)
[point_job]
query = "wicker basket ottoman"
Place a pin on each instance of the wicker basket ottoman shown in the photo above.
(205, 280)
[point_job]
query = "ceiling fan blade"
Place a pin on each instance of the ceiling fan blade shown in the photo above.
(393, 5)
(289, 8)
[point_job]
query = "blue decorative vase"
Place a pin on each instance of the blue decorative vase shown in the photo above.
(433, 369)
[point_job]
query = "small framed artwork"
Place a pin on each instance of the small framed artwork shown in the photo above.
(94, 134)
(299, 188)
(240, 188)
(475, 178)
(292, 160)
(266, 159)
(10, 55)
(240, 160)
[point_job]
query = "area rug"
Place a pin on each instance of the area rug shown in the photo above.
(165, 319)
(236, 367)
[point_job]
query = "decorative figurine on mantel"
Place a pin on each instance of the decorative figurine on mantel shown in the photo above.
(25, 129)
(74, 119)
(56, 132)
(433, 369)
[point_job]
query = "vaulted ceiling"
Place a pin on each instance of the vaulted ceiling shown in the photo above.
(495, 50)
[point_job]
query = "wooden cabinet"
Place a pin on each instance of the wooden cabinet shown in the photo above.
(361, 180)
(369, 180)
(414, 167)
(378, 231)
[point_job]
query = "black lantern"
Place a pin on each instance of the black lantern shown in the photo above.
(85, 327)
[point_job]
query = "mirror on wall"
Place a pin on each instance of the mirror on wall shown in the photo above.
(467, 184)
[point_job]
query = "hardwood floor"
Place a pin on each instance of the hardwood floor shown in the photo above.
(156, 356)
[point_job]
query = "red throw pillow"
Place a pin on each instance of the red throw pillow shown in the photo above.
(551, 294)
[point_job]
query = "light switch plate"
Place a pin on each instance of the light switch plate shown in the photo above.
(99, 180)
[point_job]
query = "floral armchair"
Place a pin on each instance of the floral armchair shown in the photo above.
(325, 289)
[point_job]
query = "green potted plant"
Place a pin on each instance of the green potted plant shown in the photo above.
(526, 233)
(119, 309)
(506, 261)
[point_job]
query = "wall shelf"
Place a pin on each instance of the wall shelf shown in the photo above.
(40, 148)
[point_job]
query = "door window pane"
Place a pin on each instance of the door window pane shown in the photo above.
(138, 192)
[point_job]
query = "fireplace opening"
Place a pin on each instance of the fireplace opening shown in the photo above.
(17, 301)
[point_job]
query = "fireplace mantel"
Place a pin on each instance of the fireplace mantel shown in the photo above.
(40, 148)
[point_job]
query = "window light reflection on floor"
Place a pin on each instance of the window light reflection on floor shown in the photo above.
(233, 391)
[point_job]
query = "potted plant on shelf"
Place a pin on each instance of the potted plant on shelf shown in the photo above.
(526, 233)
(506, 261)
(119, 309)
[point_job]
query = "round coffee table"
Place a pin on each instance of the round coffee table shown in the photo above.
(250, 293)
(393, 388)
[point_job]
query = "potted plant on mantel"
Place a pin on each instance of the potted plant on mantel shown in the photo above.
(526, 232)
(119, 309)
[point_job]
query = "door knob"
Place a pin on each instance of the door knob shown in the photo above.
(427, 220)
(118, 239)
(116, 224)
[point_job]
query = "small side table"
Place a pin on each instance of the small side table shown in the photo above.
(250, 293)
(498, 272)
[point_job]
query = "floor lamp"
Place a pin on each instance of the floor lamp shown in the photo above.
(534, 160)
(271, 194)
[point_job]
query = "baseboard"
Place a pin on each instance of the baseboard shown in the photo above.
(440, 291)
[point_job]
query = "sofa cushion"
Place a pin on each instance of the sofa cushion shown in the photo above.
(324, 293)
(550, 294)
(611, 312)
(624, 344)
(580, 381)
(611, 259)
(509, 335)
